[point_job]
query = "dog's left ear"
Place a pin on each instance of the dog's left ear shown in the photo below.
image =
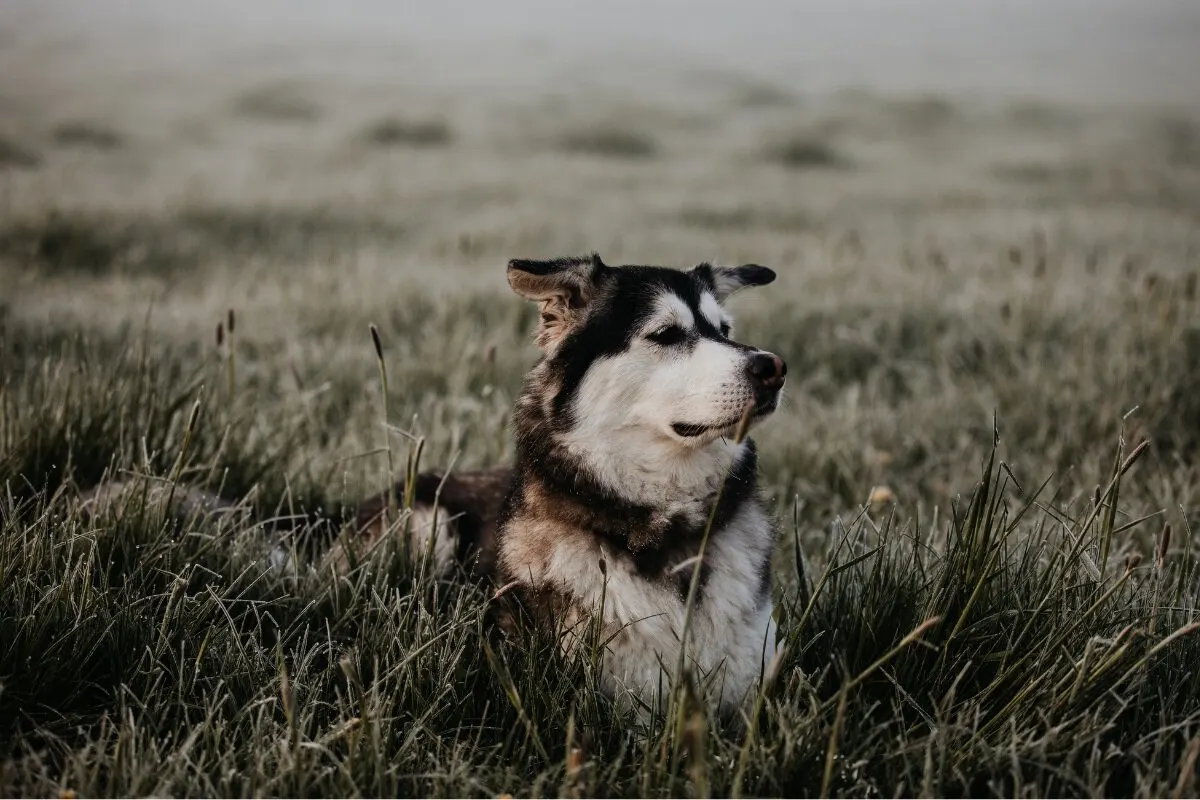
(562, 287)
(727, 280)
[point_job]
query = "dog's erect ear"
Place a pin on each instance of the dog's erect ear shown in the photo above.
(727, 280)
(562, 287)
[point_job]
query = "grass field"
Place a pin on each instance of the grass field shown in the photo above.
(986, 469)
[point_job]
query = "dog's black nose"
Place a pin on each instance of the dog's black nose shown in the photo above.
(766, 370)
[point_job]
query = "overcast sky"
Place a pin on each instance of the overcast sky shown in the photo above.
(1090, 49)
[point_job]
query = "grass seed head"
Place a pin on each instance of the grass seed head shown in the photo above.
(1164, 544)
(377, 342)
(882, 496)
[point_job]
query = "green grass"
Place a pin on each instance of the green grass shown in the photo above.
(144, 653)
(804, 151)
(393, 132)
(86, 134)
(284, 103)
(609, 141)
(15, 154)
(745, 218)
(177, 241)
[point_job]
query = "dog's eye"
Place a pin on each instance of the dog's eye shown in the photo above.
(725, 329)
(672, 334)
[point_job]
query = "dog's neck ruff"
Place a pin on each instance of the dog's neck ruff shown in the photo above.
(605, 510)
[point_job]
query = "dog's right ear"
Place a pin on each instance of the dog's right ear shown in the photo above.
(562, 287)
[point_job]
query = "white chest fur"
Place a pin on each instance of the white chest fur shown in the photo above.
(731, 632)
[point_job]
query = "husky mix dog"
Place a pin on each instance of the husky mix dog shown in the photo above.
(632, 480)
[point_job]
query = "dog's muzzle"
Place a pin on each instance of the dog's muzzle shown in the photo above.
(765, 372)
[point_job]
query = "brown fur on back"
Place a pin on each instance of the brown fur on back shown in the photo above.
(470, 502)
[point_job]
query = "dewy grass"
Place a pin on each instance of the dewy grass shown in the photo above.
(149, 652)
(141, 653)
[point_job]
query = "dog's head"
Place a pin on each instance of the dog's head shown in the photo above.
(643, 357)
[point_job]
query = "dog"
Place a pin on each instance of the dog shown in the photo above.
(626, 454)
(630, 478)
(633, 496)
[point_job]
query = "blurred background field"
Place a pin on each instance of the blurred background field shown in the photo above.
(971, 207)
(976, 210)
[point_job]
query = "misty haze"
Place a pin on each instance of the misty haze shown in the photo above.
(985, 220)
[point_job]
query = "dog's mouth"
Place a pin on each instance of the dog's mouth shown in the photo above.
(691, 430)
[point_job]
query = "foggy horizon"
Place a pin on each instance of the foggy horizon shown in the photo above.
(1102, 51)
